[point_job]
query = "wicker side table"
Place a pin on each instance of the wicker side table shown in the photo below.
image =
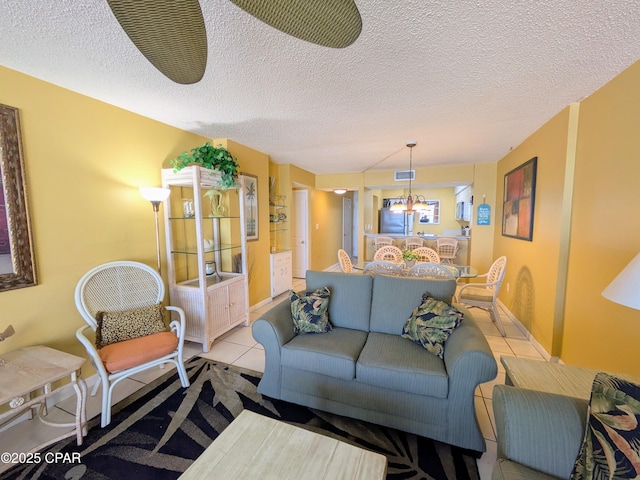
(26, 376)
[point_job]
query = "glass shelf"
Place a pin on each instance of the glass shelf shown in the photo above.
(219, 248)
(210, 217)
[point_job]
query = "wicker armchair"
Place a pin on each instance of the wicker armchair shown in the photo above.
(427, 254)
(389, 253)
(382, 241)
(382, 266)
(434, 270)
(447, 249)
(345, 261)
(485, 295)
(411, 243)
(117, 287)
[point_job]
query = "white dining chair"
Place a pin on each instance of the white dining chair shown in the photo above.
(427, 254)
(382, 241)
(345, 261)
(411, 243)
(434, 270)
(485, 295)
(447, 249)
(383, 266)
(390, 253)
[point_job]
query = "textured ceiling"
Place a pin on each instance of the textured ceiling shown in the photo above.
(467, 80)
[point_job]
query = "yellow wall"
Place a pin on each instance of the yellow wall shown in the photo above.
(481, 243)
(84, 162)
(584, 231)
(257, 163)
(605, 228)
(325, 221)
(529, 288)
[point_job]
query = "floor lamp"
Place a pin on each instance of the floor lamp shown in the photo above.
(625, 288)
(156, 195)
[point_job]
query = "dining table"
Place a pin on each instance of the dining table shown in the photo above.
(459, 271)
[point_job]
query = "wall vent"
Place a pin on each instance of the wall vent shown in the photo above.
(404, 175)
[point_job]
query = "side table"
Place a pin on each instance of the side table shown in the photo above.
(26, 376)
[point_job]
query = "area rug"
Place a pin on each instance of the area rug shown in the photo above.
(158, 432)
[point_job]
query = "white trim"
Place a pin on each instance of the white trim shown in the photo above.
(264, 302)
(526, 333)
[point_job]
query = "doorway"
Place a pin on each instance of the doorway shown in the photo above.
(300, 233)
(347, 226)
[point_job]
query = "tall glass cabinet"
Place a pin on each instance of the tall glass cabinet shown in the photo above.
(206, 252)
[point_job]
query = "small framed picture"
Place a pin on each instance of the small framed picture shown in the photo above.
(251, 206)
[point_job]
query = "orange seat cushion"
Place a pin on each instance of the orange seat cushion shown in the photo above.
(131, 353)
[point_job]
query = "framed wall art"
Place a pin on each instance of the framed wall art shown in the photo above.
(251, 206)
(519, 201)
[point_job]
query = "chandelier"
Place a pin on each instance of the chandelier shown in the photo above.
(410, 204)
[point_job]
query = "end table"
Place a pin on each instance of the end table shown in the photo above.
(26, 376)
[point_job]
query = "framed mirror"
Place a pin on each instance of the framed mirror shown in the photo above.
(17, 261)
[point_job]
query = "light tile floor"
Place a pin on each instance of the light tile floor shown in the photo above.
(239, 348)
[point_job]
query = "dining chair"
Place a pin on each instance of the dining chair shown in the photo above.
(447, 249)
(345, 261)
(485, 295)
(382, 241)
(390, 253)
(382, 266)
(120, 302)
(427, 254)
(411, 243)
(434, 270)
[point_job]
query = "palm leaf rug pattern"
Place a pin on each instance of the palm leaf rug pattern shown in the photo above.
(158, 432)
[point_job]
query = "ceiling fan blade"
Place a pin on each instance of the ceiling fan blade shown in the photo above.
(330, 23)
(170, 34)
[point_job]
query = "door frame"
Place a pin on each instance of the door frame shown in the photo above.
(301, 208)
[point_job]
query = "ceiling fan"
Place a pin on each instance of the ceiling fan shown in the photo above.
(171, 34)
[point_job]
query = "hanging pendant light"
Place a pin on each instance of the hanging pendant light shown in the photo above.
(410, 204)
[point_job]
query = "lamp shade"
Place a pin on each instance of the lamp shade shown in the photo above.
(155, 194)
(625, 288)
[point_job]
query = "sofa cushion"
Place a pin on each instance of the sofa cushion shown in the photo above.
(611, 444)
(390, 316)
(389, 361)
(507, 470)
(333, 353)
(431, 323)
(350, 305)
(309, 311)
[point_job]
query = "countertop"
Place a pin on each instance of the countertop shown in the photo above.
(425, 236)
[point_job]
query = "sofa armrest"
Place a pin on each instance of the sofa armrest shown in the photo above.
(469, 362)
(272, 331)
(540, 430)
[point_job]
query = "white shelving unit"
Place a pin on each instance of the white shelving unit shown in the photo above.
(280, 258)
(197, 241)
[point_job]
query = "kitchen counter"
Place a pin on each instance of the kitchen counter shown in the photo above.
(426, 236)
(429, 241)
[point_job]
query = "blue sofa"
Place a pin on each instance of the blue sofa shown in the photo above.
(364, 369)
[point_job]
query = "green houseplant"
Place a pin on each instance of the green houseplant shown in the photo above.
(215, 158)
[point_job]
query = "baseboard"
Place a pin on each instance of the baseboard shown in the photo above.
(262, 303)
(526, 333)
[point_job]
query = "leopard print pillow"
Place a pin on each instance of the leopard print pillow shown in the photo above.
(127, 324)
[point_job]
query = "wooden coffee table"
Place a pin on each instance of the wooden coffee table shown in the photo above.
(254, 446)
